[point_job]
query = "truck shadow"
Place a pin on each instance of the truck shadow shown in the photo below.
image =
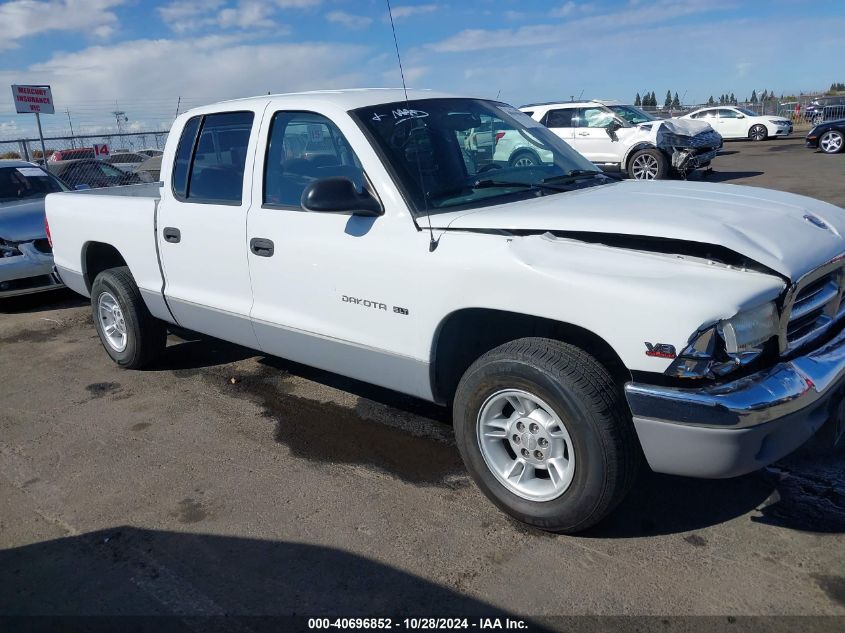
(208, 582)
(803, 492)
(42, 302)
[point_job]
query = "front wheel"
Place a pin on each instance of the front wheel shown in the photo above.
(544, 432)
(129, 333)
(758, 133)
(831, 142)
(648, 164)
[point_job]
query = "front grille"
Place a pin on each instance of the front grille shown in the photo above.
(816, 308)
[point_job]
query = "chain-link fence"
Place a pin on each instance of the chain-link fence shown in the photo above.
(102, 160)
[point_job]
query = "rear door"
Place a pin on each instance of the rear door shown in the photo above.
(560, 122)
(201, 225)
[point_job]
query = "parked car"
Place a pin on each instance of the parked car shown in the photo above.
(127, 161)
(71, 154)
(149, 170)
(825, 108)
(734, 122)
(26, 260)
(619, 136)
(573, 322)
(150, 152)
(828, 137)
(496, 144)
(91, 173)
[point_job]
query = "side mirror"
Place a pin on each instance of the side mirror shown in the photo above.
(338, 195)
(740, 116)
(611, 128)
(82, 187)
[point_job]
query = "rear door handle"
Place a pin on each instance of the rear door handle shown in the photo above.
(172, 235)
(583, 133)
(261, 246)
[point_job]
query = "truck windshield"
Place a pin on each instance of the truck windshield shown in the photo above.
(447, 154)
(18, 183)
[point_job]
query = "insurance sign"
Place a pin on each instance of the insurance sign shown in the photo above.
(31, 99)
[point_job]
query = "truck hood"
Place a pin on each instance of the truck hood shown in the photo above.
(22, 221)
(784, 232)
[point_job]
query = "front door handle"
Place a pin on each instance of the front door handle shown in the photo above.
(583, 133)
(172, 235)
(261, 246)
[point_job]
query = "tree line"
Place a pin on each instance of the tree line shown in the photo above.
(650, 100)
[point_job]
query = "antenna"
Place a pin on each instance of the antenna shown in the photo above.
(432, 243)
(396, 44)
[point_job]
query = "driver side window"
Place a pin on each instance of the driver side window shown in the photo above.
(304, 147)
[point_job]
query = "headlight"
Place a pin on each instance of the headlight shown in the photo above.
(724, 347)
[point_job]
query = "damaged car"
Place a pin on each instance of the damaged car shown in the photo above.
(615, 135)
(574, 323)
(26, 260)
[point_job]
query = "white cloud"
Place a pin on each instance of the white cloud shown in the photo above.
(298, 4)
(184, 16)
(564, 10)
(24, 18)
(405, 11)
(203, 69)
(349, 20)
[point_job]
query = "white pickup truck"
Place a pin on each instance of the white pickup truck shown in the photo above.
(575, 323)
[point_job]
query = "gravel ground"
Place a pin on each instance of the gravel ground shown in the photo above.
(222, 482)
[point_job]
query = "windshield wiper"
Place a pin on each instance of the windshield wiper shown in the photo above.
(487, 184)
(575, 174)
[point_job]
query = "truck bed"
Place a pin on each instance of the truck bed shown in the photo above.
(123, 217)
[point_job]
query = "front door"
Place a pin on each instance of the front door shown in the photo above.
(591, 138)
(332, 291)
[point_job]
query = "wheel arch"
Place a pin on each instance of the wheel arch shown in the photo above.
(524, 150)
(633, 150)
(97, 257)
(464, 335)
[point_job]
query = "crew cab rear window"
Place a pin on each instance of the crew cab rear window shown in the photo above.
(304, 147)
(210, 162)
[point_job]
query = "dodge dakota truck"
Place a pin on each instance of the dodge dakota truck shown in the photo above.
(575, 323)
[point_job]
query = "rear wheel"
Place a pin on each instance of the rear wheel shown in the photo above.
(758, 133)
(524, 159)
(128, 332)
(648, 164)
(544, 432)
(831, 142)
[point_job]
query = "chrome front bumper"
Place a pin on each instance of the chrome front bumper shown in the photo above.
(741, 426)
(31, 271)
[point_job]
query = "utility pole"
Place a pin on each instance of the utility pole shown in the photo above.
(178, 103)
(70, 123)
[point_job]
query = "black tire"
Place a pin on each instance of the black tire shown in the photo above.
(758, 133)
(653, 157)
(145, 335)
(583, 394)
(827, 137)
(524, 158)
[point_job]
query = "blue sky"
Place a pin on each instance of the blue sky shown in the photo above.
(144, 55)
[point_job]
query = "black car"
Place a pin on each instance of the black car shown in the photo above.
(92, 173)
(829, 137)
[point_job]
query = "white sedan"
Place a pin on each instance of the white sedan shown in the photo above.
(735, 122)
